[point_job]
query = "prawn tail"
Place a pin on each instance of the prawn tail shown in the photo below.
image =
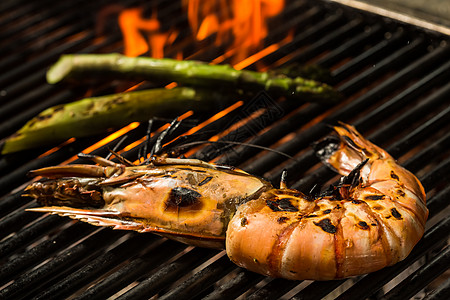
(348, 150)
(97, 217)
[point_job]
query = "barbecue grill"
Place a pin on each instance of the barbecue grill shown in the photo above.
(394, 77)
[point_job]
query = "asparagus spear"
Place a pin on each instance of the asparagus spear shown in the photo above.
(188, 73)
(313, 72)
(97, 114)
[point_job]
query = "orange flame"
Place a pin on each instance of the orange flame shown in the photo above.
(105, 141)
(132, 23)
(240, 24)
(243, 21)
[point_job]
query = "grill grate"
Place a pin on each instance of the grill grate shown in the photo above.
(394, 77)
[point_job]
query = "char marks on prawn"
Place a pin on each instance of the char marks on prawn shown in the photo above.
(371, 218)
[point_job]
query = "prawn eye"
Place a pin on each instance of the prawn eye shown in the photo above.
(325, 148)
(182, 197)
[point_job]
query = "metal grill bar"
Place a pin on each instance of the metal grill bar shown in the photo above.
(91, 270)
(438, 202)
(369, 56)
(11, 13)
(14, 222)
(273, 290)
(57, 268)
(317, 290)
(236, 286)
(433, 150)
(132, 271)
(352, 46)
(395, 82)
(442, 292)
(200, 280)
(168, 274)
(303, 139)
(29, 234)
(42, 251)
(409, 287)
(332, 38)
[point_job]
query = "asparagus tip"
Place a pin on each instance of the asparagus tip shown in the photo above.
(60, 69)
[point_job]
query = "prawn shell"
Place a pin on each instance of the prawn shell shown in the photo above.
(369, 220)
(310, 251)
(390, 170)
(353, 229)
(361, 241)
(192, 204)
(294, 245)
(397, 220)
(302, 247)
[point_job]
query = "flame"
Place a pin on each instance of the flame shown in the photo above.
(112, 137)
(240, 24)
(132, 24)
(209, 26)
(57, 148)
(105, 141)
(215, 117)
(131, 21)
(212, 119)
(242, 21)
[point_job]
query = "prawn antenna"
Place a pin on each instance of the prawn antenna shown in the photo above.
(147, 140)
(158, 146)
(116, 147)
(122, 159)
(234, 143)
(157, 142)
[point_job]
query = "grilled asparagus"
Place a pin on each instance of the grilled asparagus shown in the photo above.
(95, 115)
(188, 72)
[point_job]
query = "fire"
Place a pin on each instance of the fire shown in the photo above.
(209, 121)
(104, 141)
(243, 21)
(241, 24)
(132, 24)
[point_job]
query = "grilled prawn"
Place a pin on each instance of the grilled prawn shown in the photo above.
(371, 219)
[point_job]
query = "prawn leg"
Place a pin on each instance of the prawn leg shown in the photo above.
(160, 161)
(98, 160)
